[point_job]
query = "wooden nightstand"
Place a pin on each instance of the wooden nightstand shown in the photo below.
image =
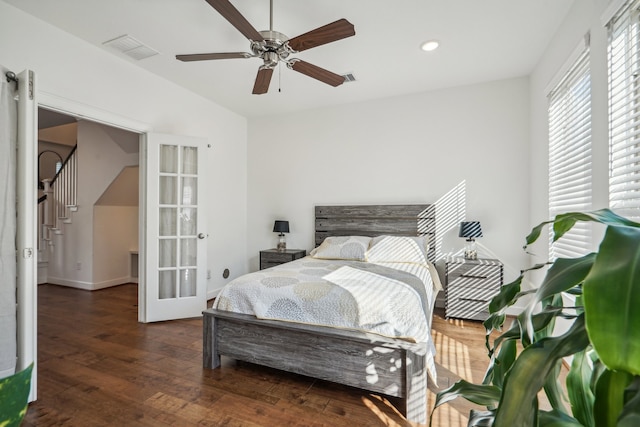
(273, 257)
(470, 285)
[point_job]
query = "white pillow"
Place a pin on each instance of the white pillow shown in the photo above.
(350, 248)
(398, 249)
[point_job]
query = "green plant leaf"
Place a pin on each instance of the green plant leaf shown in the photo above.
(480, 418)
(500, 365)
(529, 373)
(579, 389)
(540, 320)
(555, 305)
(564, 274)
(535, 232)
(630, 416)
(484, 394)
(14, 395)
(557, 419)
(610, 397)
(506, 296)
(563, 222)
(612, 297)
(598, 370)
(553, 388)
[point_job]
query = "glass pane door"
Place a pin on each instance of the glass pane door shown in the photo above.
(176, 259)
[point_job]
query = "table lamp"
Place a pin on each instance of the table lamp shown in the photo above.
(281, 227)
(470, 230)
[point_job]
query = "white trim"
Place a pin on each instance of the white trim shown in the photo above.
(84, 111)
(80, 110)
(26, 227)
(614, 7)
(142, 229)
(568, 63)
(89, 286)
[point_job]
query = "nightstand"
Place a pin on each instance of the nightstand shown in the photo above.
(273, 257)
(470, 285)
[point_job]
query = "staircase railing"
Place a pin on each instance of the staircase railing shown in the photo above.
(59, 200)
(65, 187)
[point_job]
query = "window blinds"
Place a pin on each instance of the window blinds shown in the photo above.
(624, 112)
(570, 155)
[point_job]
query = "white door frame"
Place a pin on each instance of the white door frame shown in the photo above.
(83, 111)
(26, 229)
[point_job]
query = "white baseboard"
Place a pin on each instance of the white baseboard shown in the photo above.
(88, 286)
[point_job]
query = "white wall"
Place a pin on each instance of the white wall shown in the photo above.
(100, 160)
(115, 234)
(410, 149)
(75, 73)
(584, 17)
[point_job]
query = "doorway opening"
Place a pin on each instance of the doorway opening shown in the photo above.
(88, 235)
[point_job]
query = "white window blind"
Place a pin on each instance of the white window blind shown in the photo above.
(570, 155)
(624, 112)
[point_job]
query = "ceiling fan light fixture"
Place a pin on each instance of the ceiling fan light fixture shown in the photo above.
(274, 47)
(430, 45)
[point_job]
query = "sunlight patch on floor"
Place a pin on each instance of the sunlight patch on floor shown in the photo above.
(386, 420)
(448, 416)
(453, 355)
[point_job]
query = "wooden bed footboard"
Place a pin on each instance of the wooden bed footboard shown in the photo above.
(367, 361)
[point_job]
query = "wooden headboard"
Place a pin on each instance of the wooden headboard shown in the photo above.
(374, 220)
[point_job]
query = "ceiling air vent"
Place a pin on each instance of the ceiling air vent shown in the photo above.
(131, 47)
(349, 77)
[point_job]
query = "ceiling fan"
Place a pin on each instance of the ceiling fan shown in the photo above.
(273, 47)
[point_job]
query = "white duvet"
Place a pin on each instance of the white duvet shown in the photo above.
(342, 294)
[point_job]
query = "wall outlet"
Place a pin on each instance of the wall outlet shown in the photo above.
(78, 266)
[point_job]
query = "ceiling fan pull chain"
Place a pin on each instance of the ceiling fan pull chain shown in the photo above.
(279, 77)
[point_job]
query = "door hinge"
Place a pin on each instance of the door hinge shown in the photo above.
(27, 253)
(31, 85)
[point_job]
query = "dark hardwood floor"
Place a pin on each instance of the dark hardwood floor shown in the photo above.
(99, 367)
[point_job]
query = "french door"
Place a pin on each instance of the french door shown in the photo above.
(173, 228)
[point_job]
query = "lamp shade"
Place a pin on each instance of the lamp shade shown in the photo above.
(470, 229)
(281, 227)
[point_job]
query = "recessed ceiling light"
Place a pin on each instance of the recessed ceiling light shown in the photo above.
(430, 45)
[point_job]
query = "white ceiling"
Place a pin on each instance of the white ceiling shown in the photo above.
(481, 40)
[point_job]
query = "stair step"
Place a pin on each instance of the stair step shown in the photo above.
(73, 208)
(66, 221)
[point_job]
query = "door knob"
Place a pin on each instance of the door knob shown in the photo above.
(201, 236)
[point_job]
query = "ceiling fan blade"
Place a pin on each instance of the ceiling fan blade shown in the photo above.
(262, 81)
(209, 56)
(235, 18)
(317, 73)
(337, 30)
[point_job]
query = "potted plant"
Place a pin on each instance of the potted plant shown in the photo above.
(14, 396)
(599, 295)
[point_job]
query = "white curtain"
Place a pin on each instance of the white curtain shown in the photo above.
(8, 132)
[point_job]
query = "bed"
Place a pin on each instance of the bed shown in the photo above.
(393, 360)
